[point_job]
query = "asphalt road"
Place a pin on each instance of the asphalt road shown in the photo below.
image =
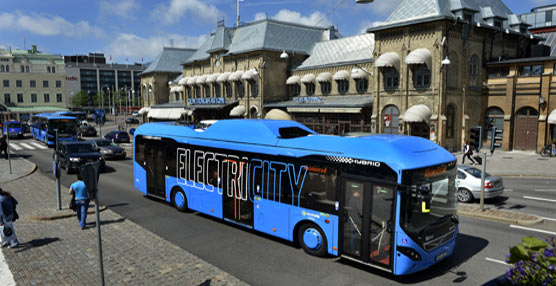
(262, 260)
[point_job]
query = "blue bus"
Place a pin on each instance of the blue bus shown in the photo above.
(79, 115)
(44, 126)
(13, 129)
(388, 201)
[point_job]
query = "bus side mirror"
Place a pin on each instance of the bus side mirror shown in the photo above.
(425, 199)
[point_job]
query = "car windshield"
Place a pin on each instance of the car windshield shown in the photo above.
(14, 125)
(80, 148)
(441, 183)
(123, 134)
(64, 126)
(476, 172)
(105, 143)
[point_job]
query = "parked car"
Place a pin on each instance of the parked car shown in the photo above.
(131, 120)
(117, 136)
(108, 149)
(88, 131)
(469, 184)
(135, 113)
(74, 154)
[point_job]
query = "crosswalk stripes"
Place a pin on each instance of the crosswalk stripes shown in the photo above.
(38, 145)
(26, 145)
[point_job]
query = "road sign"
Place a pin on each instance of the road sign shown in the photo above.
(90, 172)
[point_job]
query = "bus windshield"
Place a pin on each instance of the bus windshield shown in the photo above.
(13, 125)
(426, 224)
(64, 126)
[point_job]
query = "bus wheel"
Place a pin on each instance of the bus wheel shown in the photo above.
(179, 200)
(312, 239)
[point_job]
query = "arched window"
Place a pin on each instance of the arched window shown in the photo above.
(495, 118)
(254, 88)
(474, 71)
(217, 92)
(295, 89)
(310, 88)
(26, 68)
(390, 119)
(421, 76)
(343, 86)
(391, 78)
(362, 85)
(450, 121)
(240, 89)
(2, 68)
(325, 87)
(229, 91)
(197, 91)
(207, 90)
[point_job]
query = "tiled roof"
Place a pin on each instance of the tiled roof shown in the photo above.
(169, 60)
(410, 11)
(33, 57)
(265, 34)
(340, 51)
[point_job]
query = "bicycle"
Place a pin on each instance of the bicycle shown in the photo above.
(548, 151)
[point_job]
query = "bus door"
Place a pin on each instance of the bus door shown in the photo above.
(155, 168)
(367, 222)
(237, 206)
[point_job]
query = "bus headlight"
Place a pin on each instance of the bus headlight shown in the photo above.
(410, 252)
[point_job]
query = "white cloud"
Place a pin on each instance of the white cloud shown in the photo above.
(122, 8)
(135, 47)
(296, 17)
(195, 9)
(48, 25)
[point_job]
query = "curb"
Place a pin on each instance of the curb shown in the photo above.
(522, 222)
(64, 215)
(33, 169)
(537, 176)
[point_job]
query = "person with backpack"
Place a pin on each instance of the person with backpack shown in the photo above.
(7, 216)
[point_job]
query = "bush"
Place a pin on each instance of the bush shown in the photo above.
(533, 262)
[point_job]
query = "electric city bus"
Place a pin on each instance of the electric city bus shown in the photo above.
(388, 201)
(44, 126)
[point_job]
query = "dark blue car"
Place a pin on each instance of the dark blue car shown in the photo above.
(13, 129)
(117, 136)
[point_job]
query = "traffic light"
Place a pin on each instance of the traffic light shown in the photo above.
(475, 136)
(496, 139)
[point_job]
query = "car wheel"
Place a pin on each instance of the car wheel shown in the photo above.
(179, 200)
(312, 239)
(464, 195)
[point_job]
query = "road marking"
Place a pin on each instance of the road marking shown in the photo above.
(38, 145)
(5, 273)
(532, 229)
(539, 199)
(14, 146)
(497, 261)
(545, 190)
(25, 145)
(548, 218)
(508, 190)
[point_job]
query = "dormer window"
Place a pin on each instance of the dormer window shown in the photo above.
(498, 24)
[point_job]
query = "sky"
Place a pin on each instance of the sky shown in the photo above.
(137, 30)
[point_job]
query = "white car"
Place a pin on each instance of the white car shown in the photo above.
(469, 184)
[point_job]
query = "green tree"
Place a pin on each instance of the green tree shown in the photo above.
(80, 99)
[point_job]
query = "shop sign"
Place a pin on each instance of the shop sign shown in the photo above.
(308, 99)
(206, 100)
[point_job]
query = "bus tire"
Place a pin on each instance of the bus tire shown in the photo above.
(179, 200)
(312, 239)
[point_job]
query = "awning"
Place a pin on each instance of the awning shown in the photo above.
(192, 80)
(166, 113)
(201, 80)
(417, 113)
(249, 75)
(359, 74)
(212, 78)
(552, 117)
(175, 113)
(325, 76)
(144, 110)
(341, 75)
(236, 76)
(388, 60)
(238, 111)
(173, 89)
(277, 114)
(223, 77)
(183, 81)
(308, 78)
(179, 88)
(419, 56)
(294, 79)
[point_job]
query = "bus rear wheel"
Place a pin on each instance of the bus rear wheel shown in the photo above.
(179, 200)
(312, 239)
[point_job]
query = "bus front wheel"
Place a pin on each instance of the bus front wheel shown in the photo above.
(312, 239)
(179, 200)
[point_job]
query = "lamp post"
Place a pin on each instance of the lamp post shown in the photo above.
(441, 101)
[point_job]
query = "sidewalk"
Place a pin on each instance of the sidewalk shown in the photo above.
(54, 251)
(517, 164)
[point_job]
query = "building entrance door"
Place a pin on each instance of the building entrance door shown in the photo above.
(526, 129)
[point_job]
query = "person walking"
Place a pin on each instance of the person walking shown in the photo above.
(7, 217)
(81, 200)
(467, 152)
(4, 146)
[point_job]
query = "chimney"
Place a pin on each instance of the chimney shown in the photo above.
(34, 49)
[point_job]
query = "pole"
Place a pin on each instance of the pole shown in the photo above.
(238, 13)
(56, 163)
(99, 241)
(101, 114)
(483, 182)
(8, 149)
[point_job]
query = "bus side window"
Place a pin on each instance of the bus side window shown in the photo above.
(139, 150)
(171, 150)
(319, 191)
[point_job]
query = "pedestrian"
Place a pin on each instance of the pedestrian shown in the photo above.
(467, 152)
(81, 200)
(4, 146)
(7, 217)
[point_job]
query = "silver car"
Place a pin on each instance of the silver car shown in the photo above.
(469, 184)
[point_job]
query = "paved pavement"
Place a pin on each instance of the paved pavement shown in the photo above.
(20, 167)
(54, 251)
